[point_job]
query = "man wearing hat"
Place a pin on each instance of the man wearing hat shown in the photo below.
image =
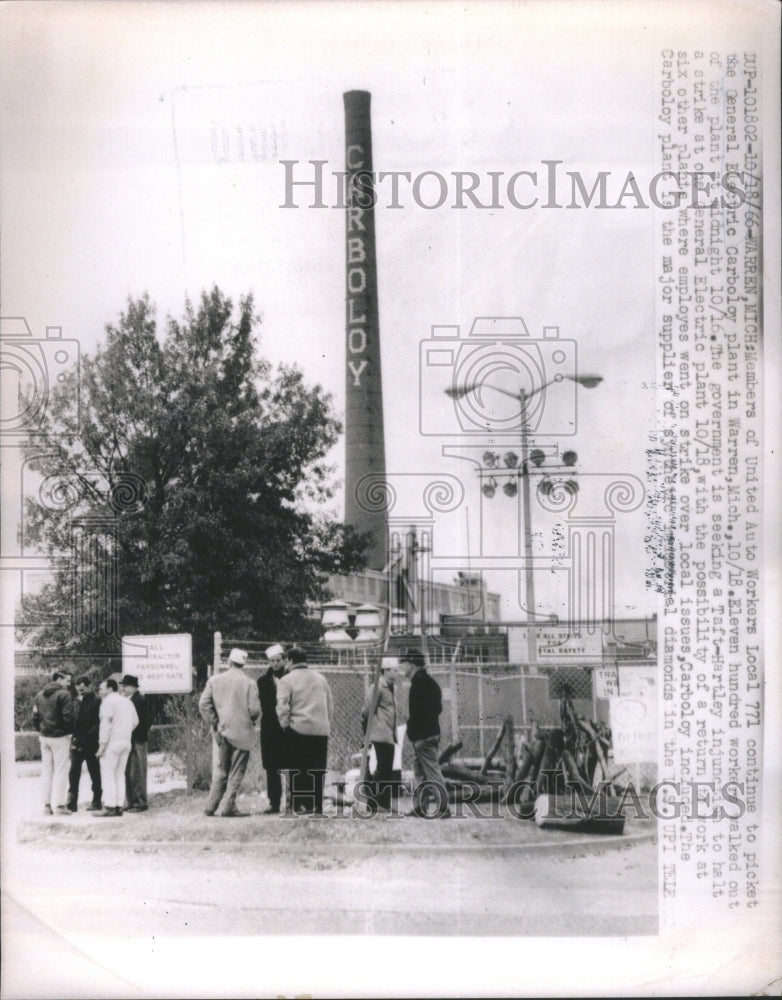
(272, 736)
(423, 731)
(136, 768)
(305, 710)
(230, 705)
(382, 734)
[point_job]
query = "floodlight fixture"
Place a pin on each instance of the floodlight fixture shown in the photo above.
(489, 488)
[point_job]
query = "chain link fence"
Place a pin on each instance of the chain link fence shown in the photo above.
(477, 698)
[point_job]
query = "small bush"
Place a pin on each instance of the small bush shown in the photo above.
(186, 734)
(187, 739)
(27, 746)
(25, 690)
(156, 739)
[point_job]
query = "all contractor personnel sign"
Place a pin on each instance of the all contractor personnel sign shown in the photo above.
(162, 663)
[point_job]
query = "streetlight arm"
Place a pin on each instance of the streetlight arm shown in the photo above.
(459, 392)
(587, 381)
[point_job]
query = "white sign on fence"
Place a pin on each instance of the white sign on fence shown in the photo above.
(606, 682)
(634, 729)
(560, 642)
(162, 663)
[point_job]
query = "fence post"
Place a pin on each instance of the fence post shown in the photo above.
(217, 653)
(509, 755)
(454, 703)
(480, 709)
(189, 740)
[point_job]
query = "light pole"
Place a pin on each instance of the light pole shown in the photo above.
(522, 397)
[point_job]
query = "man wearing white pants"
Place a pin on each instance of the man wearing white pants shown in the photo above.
(118, 719)
(53, 718)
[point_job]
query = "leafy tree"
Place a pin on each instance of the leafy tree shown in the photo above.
(187, 466)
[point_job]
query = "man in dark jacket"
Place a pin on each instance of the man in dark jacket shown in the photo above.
(423, 731)
(53, 718)
(84, 744)
(136, 768)
(272, 735)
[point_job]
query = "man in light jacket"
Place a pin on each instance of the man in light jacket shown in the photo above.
(118, 719)
(230, 705)
(382, 735)
(305, 710)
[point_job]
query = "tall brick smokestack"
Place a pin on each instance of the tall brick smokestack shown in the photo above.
(364, 441)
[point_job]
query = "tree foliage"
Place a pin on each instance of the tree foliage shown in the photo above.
(194, 471)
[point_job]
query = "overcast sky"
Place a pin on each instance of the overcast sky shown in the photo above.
(141, 149)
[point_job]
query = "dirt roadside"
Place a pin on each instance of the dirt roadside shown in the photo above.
(175, 817)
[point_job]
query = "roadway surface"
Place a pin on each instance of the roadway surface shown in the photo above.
(61, 899)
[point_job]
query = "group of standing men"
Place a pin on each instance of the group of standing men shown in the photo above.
(108, 732)
(424, 706)
(295, 707)
(296, 711)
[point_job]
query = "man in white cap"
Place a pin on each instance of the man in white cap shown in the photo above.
(230, 705)
(272, 736)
